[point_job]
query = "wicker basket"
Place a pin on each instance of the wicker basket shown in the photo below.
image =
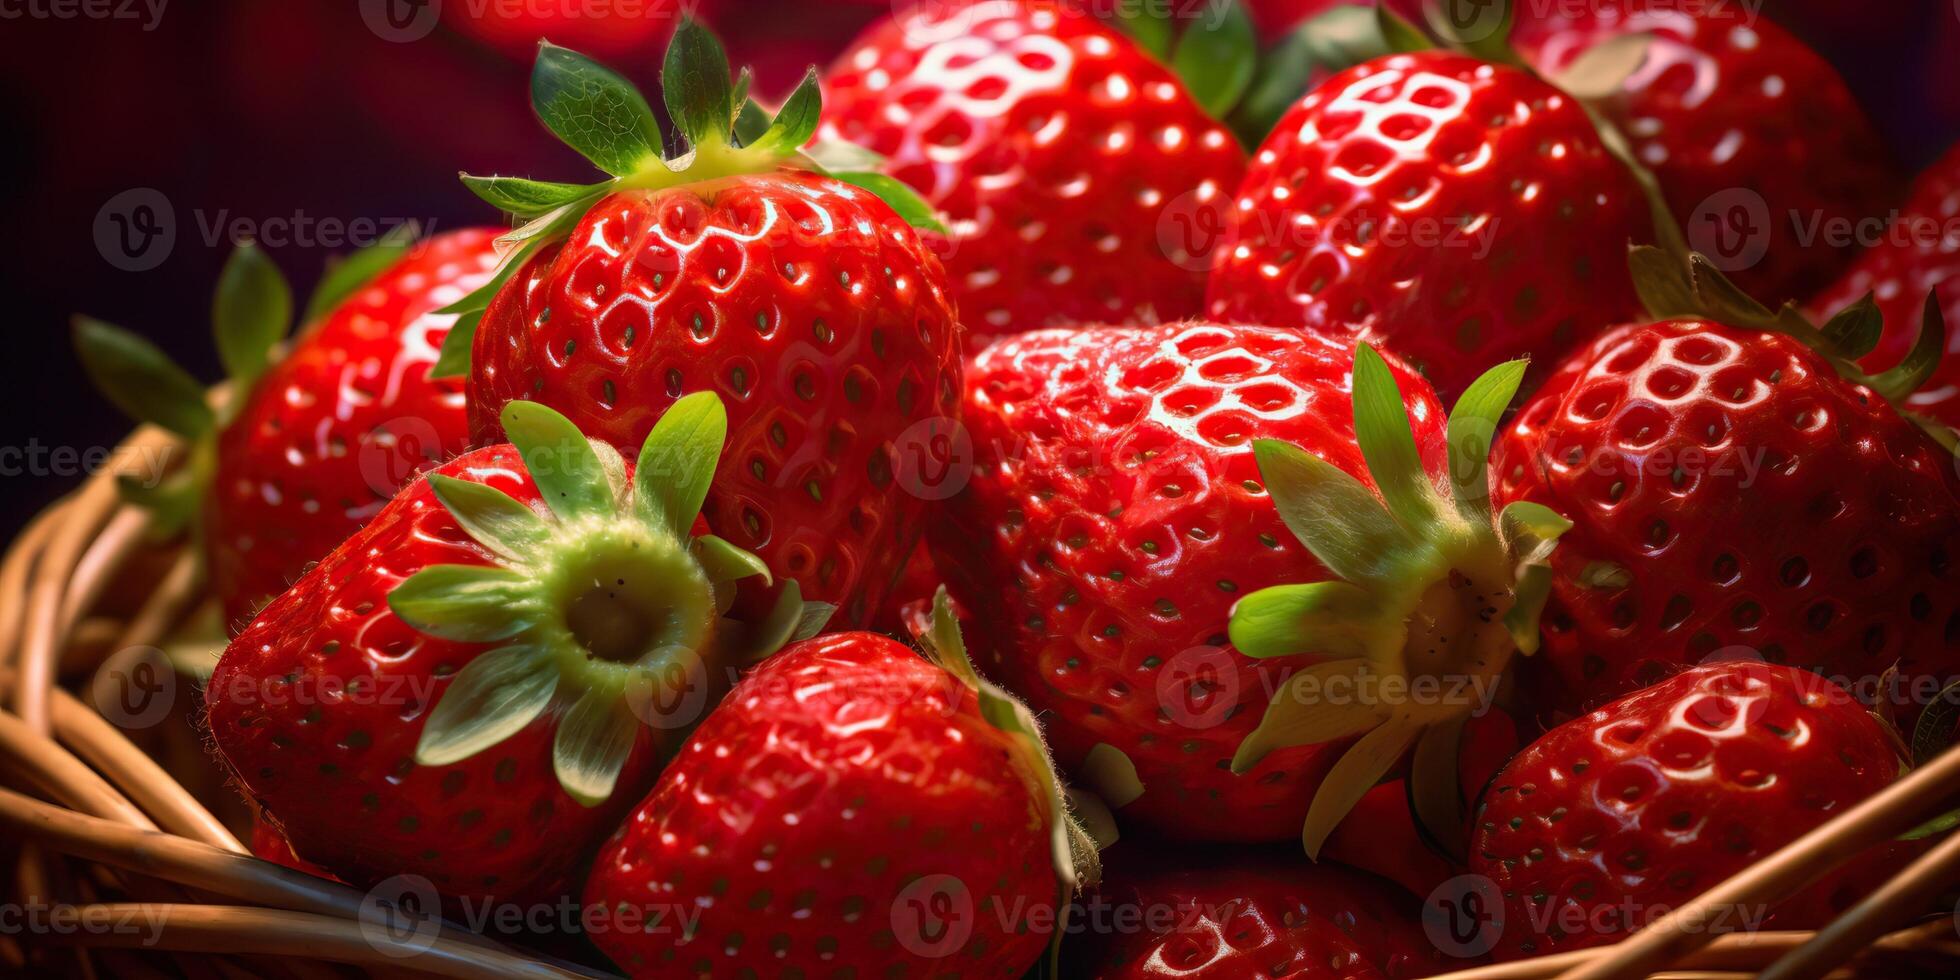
(130, 874)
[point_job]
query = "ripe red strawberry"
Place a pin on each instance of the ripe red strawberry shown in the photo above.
(1733, 486)
(807, 302)
(1080, 179)
(269, 844)
(1610, 820)
(457, 690)
(1227, 915)
(853, 807)
(1761, 151)
(1150, 555)
(313, 443)
(1460, 212)
(1919, 253)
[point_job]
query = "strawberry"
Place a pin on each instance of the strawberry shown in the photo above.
(1155, 555)
(1708, 470)
(268, 844)
(1758, 145)
(459, 689)
(851, 807)
(1918, 254)
(805, 300)
(1611, 819)
(1080, 178)
(1231, 914)
(1460, 212)
(311, 444)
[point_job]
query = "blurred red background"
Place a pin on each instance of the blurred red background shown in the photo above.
(281, 114)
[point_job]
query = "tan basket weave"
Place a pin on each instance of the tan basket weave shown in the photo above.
(110, 832)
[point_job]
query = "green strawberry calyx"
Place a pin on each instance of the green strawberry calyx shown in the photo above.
(599, 113)
(1430, 587)
(1673, 286)
(1072, 846)
(251, 315)
(607, 610)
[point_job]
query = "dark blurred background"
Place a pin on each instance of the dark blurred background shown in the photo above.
(316, 124)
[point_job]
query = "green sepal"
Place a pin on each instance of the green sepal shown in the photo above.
(1329, 42)
(796, 121)
(1487, 40)
(495, 519)
(1298, 716)
(1338, 518)
(677, 462)
(1472, 425)
(1216, 56)
(1854, 331)
(173, 502)
(492, 698)
(596, 111)
(1381, 429)
(1330, 619)
(1531, 529)
(1662, 282)
(751, 121)
(1922, 361)
(350, 272)
(786, 623)
(832, 155)
(1075, 865)
(526, 198)
(453, 360)
(811, 621)
(1601, 71)
(468, 603)
(1358, 770)
(738, 97)
(1934, 827)
(592, 744)
(694, 81)
(1934, 733)
(250, 313)
(560, 459)
(141, 380)
(724, 562)
(1112, 774)
(1398, 34)
(895, 193)
(1147, 26)
(1435, 787)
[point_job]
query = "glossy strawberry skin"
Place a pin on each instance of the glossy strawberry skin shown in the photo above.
(1753, 499)
(1919, 254)
(1235, 914)
(823, 324)
(1460, 213)
(1642, 805)
(1113, 517)
(1064, 158)
(801, 814)
(345, 418)
(317, 707)
(1727, 105)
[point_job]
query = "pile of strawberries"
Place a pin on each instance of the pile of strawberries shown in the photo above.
(1496, 480)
